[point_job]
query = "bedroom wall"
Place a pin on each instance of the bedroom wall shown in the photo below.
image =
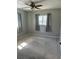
(24, 22)
(31, 21)
(56, 19)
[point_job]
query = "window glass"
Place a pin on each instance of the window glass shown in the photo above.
(42, 19)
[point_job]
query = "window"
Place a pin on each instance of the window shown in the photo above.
(42, 19)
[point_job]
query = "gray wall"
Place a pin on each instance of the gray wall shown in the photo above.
(31, 21)
(56, 19)
(24, 22)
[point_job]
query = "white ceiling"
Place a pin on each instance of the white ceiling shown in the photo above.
(47, 4)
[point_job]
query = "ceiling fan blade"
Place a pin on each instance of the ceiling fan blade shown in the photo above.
(38, 1)
(37, 8)
(39, 5)
(26, 3)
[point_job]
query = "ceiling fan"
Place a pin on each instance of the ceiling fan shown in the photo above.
(33, 4)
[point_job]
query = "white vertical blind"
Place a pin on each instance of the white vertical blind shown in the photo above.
(40, 20)
(43, 20)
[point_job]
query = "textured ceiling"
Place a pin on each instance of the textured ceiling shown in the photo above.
(47, 4)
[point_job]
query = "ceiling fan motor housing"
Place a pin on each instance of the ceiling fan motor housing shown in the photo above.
(32, 4)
